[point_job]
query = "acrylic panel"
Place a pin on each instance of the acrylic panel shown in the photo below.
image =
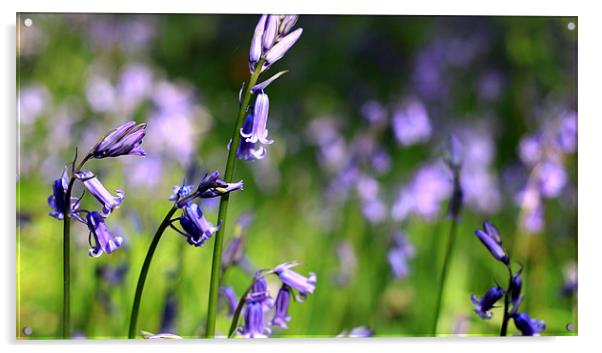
(274, 176)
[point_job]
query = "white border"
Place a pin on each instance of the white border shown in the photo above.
(590, 146)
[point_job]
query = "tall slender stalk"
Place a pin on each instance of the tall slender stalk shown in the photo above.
(66, 329)
(444, 270)
(144, 270)
(504, 329)
(223, 205)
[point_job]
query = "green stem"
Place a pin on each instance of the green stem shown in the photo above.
(223, 206)
(444, 270)
(66, 329)
(144, 270)
(504, 329)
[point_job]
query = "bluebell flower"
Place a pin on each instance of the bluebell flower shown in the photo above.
(228, 296)
(528, 326)
(280, 48)
(492, 241)
(104, 241)
(283, 300)
(286, 24)
(180, 191)
(259, 293)
(196, 228)
(411, 123)
(256, 43)
(399, 255)
(249, 151)
(95, 187)
(305, 285)
(233, 253)
(270, 31)
(254, 326)
(113, 275)
(56, 201)
(170, 310)
(486, 303)
(552, 178)
(259, 132)
(125, 139)
(516, 285)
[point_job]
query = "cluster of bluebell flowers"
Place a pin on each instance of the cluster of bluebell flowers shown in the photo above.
(271, 40)
(124, 140)
(490, 237)
(258, 301)
(195, 227)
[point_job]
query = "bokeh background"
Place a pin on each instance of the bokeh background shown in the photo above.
(354, 186)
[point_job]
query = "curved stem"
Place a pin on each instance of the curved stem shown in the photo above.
(444, 270)
(504, 330)
(144, 270)
(223, 206)
(66, 329)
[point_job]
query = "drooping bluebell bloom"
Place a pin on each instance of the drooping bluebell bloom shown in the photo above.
(283, 300)
(249, 151)
(233, 253)
(228, 296)
(492, 241)
(211, 186)
(95, 187)
(486, 303)
(254, 326)
(170, 310)
(399, 255)
(516, 285)
(527, 325)
(104, 242)
(222, 189)
(279, 49)
(125, 139)
(305, 285)
(196, 227)
(57, 200)
(259, 132)
(259, 293)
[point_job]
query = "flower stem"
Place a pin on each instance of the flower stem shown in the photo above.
(446, 261)
(223, 205)
(144, 270)
(66, 329)
(504, 329)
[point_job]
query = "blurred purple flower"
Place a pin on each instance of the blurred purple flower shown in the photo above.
(411, 123)
(530, 149)
(170, 311)
(357, 332)
(374, 112)
(228, 296)
(399, 254)
(552, 178)
(100, 94)
(134, 85)
(104, 241)
(113, 275)
(566, 138)
(347, 263)
(32, 101)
